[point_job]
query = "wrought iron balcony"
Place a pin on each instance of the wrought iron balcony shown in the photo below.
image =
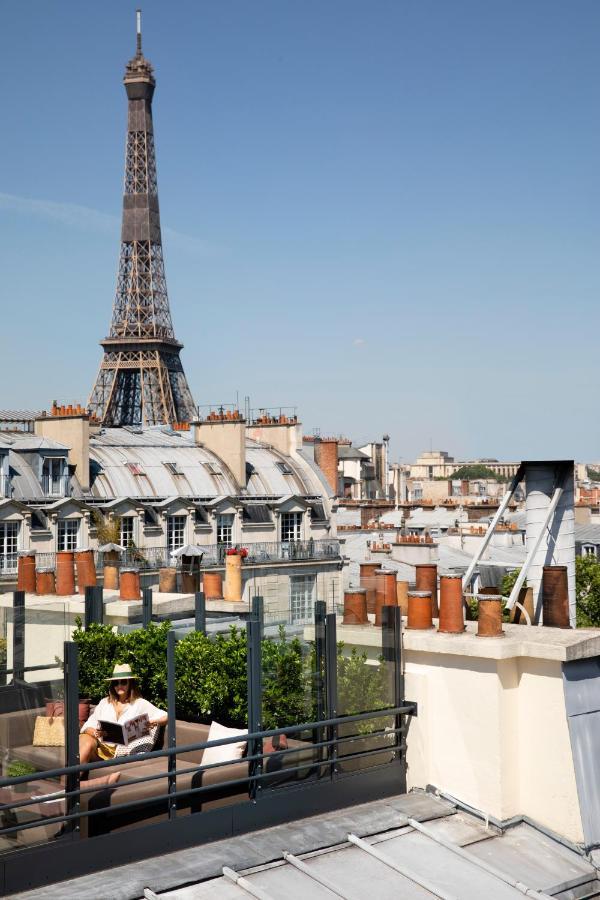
(214, 554)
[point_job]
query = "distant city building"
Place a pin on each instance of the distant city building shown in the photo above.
(221, 483)
(439, 464)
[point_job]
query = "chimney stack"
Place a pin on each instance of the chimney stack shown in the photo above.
(283, 432)
(224, 433)
(69, 425)
(326, 457)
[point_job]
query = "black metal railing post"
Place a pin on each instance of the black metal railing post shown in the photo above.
(89, 606)
(71, 693)
(391, 639)
(171, 729)
(331, 689)
(18, 637)
(146, 607)
(319, 673)
(200, 612)
(254, 680)
(98, 605)
(258, 612)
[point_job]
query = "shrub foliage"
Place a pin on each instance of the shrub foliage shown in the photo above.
(210, 674)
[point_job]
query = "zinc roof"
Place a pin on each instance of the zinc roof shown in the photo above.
(414, 845)
(119, 452)
(587, 534)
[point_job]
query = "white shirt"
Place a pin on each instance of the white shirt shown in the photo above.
(108, 713)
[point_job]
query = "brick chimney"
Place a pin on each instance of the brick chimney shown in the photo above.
(326, 457)
(69, 425)
(224, 434)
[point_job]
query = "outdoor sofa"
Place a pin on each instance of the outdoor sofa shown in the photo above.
(226, 784)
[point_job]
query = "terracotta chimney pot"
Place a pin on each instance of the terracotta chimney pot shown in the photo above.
(44, 582)
(130, 584)
(555, 597)
(489, 618)
(419, 611)
(386, 594)
(451, 605)
(355, 607)
(213, 585)
(86, 569)
(426, 580)
(65, 573)
(26, 571)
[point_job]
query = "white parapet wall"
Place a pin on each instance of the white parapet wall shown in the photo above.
(492, 728)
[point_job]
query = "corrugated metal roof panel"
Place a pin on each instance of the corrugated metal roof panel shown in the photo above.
(358, 875)
(587, 533)
(533, 858)
(449, 872)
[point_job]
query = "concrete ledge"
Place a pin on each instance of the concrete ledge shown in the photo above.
(537, 642)
(117, 611)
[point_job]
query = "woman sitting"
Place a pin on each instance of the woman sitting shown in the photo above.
(124, 702)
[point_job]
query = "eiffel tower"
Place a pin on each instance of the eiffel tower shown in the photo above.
(141, 380)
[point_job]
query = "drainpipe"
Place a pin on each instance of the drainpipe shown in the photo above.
(497, 516)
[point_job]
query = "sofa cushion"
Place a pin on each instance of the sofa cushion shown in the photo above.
(224, 752)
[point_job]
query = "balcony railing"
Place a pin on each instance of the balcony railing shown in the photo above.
(328, 749)
(152, 558)
(214, 554)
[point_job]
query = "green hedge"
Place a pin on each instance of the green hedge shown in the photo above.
(210, 674)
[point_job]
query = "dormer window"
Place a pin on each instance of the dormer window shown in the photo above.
(284, 468)
(173, 468)
(291, 527)
(135, 468)
(54, 476)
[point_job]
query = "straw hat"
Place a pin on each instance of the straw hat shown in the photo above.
(121, 670)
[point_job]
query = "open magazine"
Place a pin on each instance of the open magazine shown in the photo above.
(116, 733)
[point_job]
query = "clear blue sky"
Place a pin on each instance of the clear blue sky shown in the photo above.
(386, 213)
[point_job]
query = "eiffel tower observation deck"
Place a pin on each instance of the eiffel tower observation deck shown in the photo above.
(141, 379)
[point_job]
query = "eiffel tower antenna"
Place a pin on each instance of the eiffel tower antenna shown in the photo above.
(141, 380)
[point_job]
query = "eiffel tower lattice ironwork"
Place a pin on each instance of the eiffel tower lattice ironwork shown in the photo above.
(141, 380)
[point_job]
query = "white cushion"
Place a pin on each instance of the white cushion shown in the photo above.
(226, 752)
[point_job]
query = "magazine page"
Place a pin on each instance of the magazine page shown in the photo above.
(136, 727)
(111, 732)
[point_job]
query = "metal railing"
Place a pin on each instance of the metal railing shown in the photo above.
(338, 759)
(293, 550)
(213, 555)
